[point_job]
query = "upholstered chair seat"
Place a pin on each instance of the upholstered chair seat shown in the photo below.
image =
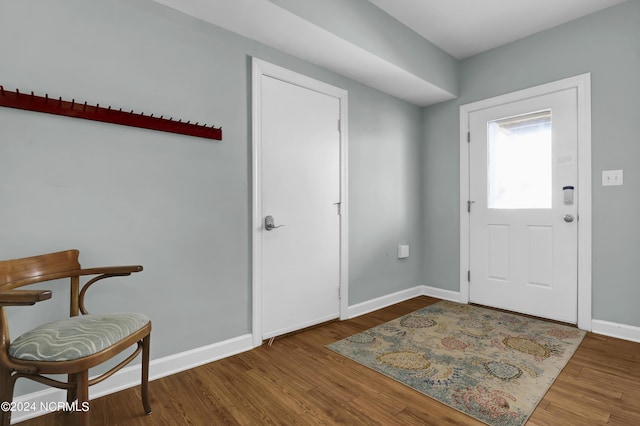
(75, 337)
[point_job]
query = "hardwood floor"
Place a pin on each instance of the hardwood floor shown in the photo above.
(296, 381)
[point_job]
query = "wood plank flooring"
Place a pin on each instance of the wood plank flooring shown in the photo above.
(296, 381)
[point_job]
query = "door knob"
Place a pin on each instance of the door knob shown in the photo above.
(568, 218)
(269, 223)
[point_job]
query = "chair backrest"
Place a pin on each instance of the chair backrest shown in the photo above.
(16, 273)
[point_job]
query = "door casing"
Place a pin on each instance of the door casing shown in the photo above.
(582, 83)
(262, 68)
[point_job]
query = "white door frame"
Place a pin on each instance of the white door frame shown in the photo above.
(582, 83)
(262, 68)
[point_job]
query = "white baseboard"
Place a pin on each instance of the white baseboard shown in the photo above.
(196, 357)
(383, 301)
(401, 296)
(612, 329)
(162, 367)
(452, 296)
(130, 376)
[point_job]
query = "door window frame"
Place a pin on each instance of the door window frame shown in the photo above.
(582, 84)
(262, 68)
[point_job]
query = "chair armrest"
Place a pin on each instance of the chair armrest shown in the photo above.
(104, 272)
(23, 297)
(109, 270)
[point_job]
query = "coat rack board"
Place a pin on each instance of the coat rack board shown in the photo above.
(58, 106)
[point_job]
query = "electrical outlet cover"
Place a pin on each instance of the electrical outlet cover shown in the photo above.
(403, 251)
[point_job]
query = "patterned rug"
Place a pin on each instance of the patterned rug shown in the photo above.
(490, 365)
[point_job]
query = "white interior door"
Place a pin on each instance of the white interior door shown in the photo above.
(523, 173)
(300, 190)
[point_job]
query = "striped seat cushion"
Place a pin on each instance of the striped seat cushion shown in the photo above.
(75, 337)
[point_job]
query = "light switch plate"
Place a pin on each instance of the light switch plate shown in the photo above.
(612, 177)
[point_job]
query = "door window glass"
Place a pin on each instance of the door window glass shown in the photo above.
(520, 162)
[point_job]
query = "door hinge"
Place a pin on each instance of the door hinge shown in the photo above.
(469, 276)
(339, 126)
(339, 205)
(468, 137)
(469, 202)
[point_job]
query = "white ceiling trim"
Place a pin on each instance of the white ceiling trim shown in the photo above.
(274, 26)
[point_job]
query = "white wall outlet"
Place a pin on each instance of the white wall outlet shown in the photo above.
(403, 252)
(611, 177)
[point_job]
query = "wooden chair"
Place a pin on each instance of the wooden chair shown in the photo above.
(88, 339)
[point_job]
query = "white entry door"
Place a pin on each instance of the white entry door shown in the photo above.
(299, 229)
(523, 206)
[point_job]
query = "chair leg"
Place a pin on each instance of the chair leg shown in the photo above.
(82, 389)
(144, 386)
(6, 394)
(72, 392)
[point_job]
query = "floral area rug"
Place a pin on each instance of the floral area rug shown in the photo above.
(490, 365)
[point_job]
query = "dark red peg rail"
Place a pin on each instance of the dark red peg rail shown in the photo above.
(31, 102)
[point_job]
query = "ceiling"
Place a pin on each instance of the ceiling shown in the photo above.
(464, 28)
(460, 27)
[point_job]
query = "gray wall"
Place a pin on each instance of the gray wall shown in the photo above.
(606, 44)
(178, 205)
